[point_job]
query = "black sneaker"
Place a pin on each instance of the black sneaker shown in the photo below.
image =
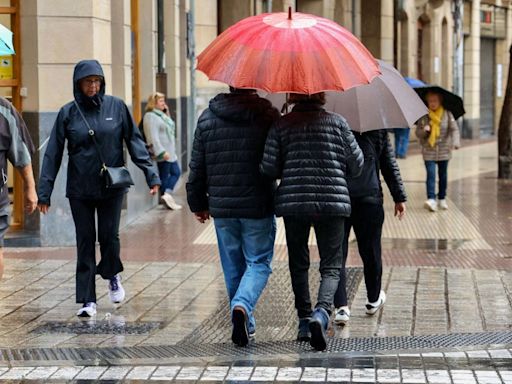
(240, 335)
(304, 334)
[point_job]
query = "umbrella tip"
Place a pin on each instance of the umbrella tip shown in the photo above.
(289, 13)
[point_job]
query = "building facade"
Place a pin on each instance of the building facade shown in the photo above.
(148, 45)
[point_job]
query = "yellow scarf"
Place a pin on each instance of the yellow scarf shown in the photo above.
(435, 125)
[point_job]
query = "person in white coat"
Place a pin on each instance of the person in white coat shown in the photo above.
(160, 132)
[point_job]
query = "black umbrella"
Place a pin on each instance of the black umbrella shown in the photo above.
(451, 101)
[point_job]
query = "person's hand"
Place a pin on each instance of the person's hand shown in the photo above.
(426, 128)
(202, 216)
(400, 210)
(43, 208)
(154, 189)
(167, 156)
(30, 199)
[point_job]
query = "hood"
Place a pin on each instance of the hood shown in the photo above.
(239, 106)
(83, 69)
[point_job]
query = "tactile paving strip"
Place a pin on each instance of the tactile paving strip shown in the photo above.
(275, 313)
(375, 344)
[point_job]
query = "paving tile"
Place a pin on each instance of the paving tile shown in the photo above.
(339, 374)
(190, 373)
(239, 373)
(363, 375)
(438, 377)
(500, 354)
(66, 373)
(141, 372)
(289, 374)
(264, 374)
(165, 373)
(487, 377)
(17, 373)
(214, 373)
(41, 373)
(90, 373)
(116, 373)
(413, 376)
(314, 374)
(388, 376)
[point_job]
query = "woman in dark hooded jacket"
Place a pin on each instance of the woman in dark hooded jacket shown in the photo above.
(88, 195)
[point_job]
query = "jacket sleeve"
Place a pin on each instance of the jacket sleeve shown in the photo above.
(353, 154)
(453, 129)
(151, 130)
(52, 160)
(137, 148)
(390, 170)
(197, 188)
(272, 162)
(21, 147)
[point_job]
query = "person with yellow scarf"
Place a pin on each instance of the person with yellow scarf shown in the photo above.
(438, 135)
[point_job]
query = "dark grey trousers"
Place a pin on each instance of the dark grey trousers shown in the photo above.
(329, 235)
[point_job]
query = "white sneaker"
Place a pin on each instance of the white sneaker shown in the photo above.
(443, 204)
(431, 205)
(341, 315)
(372, 308)
(115, 289)
(88, 310)
(169, 201)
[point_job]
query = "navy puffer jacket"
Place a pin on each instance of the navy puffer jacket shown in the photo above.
(228, 147)
(312, 151)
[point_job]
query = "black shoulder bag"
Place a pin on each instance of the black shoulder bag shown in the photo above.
(115, 177)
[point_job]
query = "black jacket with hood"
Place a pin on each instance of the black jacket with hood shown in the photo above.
(229, 140)
(379, 157)
(110, 118)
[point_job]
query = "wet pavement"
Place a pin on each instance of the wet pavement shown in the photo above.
(448, 317)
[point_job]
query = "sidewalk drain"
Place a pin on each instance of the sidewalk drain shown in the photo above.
(97, 327)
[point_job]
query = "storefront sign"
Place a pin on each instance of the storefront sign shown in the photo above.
(5, 67)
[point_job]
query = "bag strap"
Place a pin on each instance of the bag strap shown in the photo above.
(92, 134)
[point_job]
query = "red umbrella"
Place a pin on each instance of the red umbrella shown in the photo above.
(280, 52)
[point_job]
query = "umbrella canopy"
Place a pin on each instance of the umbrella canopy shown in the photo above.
(6, 46)
(387, 102)
(285, 52)
(451, 101)
(414, 82)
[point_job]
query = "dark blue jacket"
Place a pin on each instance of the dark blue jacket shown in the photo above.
(224, 174)
(111, 120)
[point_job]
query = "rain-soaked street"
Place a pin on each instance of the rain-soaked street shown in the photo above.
(448, 278)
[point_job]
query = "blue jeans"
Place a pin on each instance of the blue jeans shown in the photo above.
(442, 167)
(169, 175)
(246, 248)
(401, 141)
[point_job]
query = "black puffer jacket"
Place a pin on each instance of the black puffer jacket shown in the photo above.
(113, 124)
(378, 157)
(312, 151)
(229, 140)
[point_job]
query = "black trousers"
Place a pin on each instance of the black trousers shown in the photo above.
(367, 220)
(109, 215)
(329, 235)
